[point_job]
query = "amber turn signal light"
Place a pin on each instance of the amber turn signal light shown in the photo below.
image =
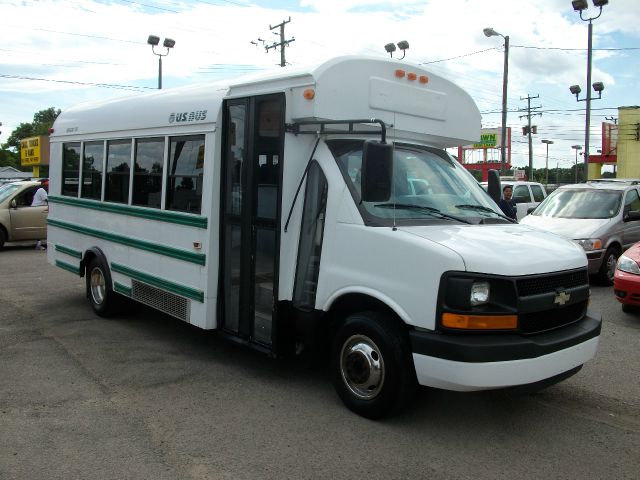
(479, 322)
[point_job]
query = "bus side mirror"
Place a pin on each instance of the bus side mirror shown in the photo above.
(493, 188)
(377, 171)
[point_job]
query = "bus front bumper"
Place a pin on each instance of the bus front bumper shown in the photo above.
(483, 362)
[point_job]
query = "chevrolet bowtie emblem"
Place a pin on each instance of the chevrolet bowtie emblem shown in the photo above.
(561, 298)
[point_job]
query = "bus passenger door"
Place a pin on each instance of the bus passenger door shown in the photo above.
(253, 133)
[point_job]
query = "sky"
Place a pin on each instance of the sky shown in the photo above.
(64, 52)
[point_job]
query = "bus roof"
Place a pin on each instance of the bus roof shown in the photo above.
(417, 103)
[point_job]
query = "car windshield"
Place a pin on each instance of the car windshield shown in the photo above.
(427, 184)
(574, 203)
(7, 190)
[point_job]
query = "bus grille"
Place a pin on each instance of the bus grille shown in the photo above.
(539, 284)
(166, 302)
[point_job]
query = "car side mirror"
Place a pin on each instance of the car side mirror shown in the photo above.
(632, 215)
(377, 171)
(13, 203)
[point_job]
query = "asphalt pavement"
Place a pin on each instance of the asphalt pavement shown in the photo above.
(145, 396)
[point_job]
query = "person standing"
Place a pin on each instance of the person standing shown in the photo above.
(507, 204)
(41, 198)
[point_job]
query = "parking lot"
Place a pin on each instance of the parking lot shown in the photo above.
(145, 396)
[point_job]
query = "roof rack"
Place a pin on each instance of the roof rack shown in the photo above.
(295, 127)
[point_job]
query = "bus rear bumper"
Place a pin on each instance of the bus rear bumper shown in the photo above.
(500, 362)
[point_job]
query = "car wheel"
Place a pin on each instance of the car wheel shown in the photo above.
(3, 238)
(101, 296)
(629, 308)
(372, 368)
(608, 267)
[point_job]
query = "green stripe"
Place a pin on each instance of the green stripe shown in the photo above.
(122, 289)
(148, 213)
(68, 251)
(161, 283)
(67, 266)
(187, 256)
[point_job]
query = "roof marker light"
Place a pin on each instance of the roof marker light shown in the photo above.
(424, 79)
(412, 76)
(400, 73)
(309, 94)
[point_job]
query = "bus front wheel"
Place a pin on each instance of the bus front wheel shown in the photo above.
(99, 292)
(371, 365)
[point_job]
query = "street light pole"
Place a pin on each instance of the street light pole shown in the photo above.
(490, 32)
(546, 165)
(576, 148)
(580, 6)
(167, 44)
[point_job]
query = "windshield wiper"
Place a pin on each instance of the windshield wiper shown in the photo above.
(484, 209)
(423, 209)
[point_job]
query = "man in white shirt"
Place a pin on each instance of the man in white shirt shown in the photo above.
(41, 198)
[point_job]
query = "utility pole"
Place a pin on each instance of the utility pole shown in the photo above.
(528, 130)
(283, 43)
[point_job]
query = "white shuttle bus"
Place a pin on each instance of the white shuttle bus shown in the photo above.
(318, 206)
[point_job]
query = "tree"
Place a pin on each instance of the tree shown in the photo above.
(9, 159)
(42, 122)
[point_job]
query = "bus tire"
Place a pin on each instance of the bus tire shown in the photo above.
(101, 296)
(371, 365)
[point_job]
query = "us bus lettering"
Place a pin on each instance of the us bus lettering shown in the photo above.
(182, 117)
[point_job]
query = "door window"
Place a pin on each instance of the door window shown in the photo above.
(632, 201)
(538, 194)
(521, 194)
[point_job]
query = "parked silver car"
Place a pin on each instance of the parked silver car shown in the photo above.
(602, 217)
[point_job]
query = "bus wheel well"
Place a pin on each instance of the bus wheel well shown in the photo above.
(89, 255)
(352, 303)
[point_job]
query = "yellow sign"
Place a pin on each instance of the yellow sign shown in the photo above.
(34, 151)
(487, 140)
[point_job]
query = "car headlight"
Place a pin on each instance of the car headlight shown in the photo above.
(628, 265)
(589, 244)
(479, 293)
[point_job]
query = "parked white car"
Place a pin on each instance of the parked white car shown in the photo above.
(527, 195)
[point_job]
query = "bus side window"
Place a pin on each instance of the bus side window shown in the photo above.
(184, 179)
(70, 168)
(311, 236)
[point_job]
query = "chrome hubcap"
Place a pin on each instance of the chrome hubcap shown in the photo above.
(362, 367)
(98, 287)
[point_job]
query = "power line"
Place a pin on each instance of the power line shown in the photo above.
(103, 85)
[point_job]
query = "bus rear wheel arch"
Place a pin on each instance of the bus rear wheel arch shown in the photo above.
(371, 366)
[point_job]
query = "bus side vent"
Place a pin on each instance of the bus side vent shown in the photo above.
(166, 302)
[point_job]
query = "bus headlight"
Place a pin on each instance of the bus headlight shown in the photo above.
(479, 293)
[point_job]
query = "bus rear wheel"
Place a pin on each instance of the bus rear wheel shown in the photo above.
(101, 296)
(371, 365)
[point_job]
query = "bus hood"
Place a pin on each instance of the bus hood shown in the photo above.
(505, 249)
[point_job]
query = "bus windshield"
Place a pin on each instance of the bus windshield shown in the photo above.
(427, 184)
